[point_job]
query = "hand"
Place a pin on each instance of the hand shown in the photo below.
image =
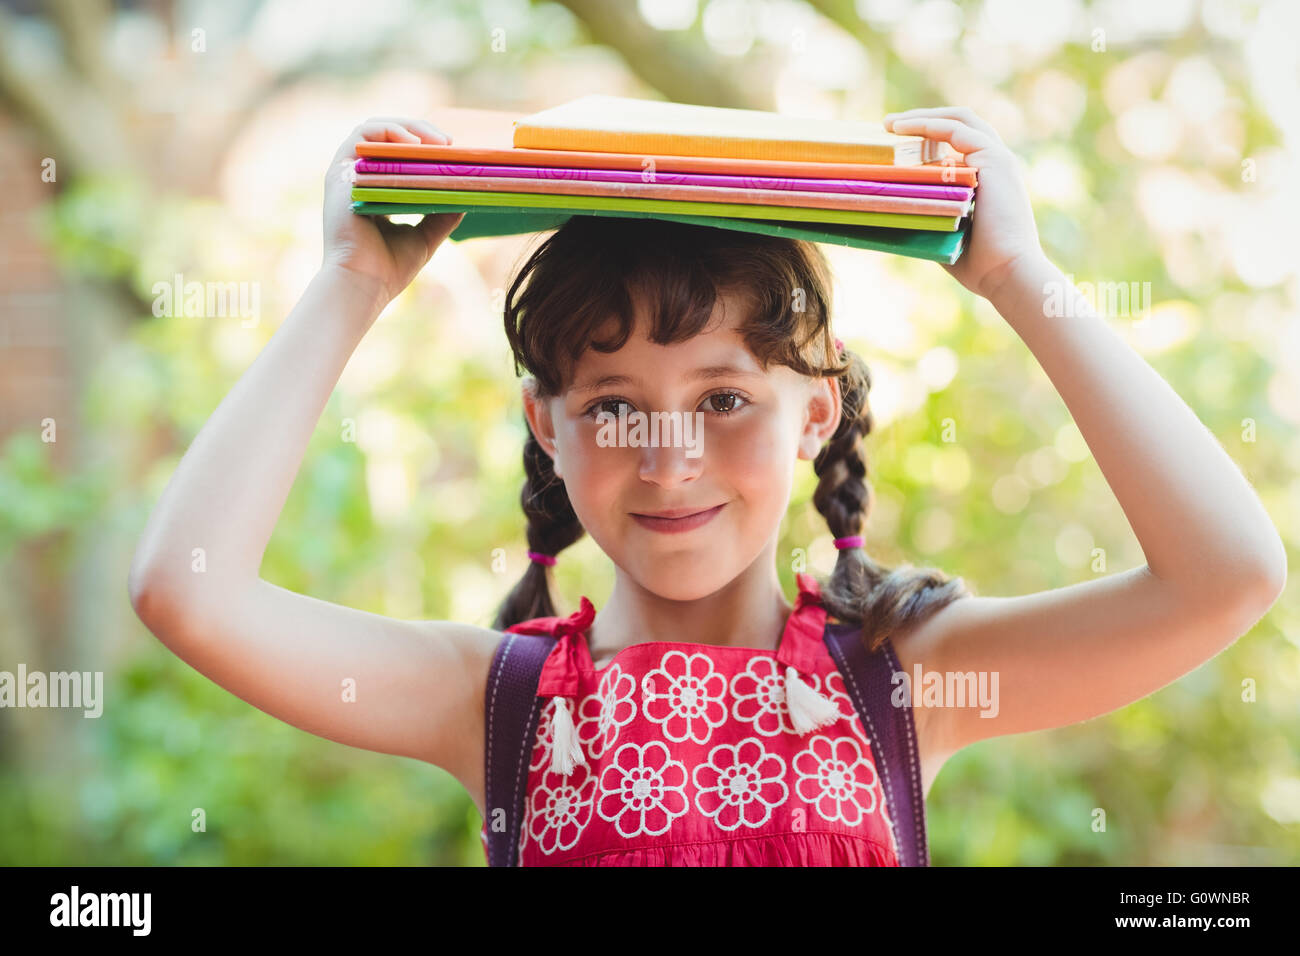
(386, 254)
(1003, 234)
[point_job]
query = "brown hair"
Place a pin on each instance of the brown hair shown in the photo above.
(592, 270)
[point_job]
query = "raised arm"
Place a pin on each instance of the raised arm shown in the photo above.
(1214, 561)
(404, 687)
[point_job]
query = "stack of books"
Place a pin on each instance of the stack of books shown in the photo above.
(836, 181)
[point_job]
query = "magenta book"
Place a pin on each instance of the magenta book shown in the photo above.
(853, 186)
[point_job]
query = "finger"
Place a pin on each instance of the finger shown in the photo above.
(389, 131)
(372, 130)
(426, 131)
(436, 227)
(963, 138)
(963, 113)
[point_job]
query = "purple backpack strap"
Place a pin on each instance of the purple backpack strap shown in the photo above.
(868, 678)
(512, 710)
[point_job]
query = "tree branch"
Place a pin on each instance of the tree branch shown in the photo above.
(78, 130)
(844, 14)
(682, 67)
(83, 25)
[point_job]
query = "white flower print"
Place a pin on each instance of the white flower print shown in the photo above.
(542, 747)
(740, 784)
(559, 809)
(834, 776)
(759, 692)
(603, 713)
(642, 790)
(837, 692)
(685, 695)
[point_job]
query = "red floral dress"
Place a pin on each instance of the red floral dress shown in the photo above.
(689, 756)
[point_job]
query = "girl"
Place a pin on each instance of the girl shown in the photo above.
(699, 718)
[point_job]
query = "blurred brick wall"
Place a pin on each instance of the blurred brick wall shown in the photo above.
(36, 382)
(35, 376)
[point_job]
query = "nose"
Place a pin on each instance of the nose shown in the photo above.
(672, 462)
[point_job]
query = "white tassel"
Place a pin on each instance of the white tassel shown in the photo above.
(566, 749)
(808, 709)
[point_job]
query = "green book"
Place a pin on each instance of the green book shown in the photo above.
(937, 246)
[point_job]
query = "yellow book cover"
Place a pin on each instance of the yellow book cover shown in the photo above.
(618, 124)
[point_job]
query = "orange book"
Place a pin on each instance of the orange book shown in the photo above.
(622, 124)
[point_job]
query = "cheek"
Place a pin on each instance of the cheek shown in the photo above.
(591, 473)
(755, 457)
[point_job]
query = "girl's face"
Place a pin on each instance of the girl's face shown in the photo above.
(735, 459)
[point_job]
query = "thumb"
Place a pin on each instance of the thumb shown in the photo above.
(435, 227)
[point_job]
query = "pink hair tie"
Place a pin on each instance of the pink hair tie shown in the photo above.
(852, 541)
(839, 345)
(542, 558)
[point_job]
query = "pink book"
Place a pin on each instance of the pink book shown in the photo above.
(657, 190)
(854, 186)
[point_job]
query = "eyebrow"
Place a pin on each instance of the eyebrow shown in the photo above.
(706, 373)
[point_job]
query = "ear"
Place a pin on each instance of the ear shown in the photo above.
(821, 416)
(538, 412)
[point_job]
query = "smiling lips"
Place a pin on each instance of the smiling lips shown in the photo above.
(677, 520)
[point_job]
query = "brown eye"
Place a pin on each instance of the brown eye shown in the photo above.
(607, 405)
(723, 403)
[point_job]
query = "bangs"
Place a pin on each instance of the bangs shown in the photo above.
(587, 284)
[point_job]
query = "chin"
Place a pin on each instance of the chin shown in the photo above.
(679, 590)
(684, 577)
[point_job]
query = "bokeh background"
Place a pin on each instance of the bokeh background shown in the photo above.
(139, 141)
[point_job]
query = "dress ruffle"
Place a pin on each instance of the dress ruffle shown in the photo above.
(801, 849)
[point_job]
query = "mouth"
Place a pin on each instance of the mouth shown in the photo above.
(678, 519)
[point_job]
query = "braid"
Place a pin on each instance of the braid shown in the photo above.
(860, 591)
(552, 526)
